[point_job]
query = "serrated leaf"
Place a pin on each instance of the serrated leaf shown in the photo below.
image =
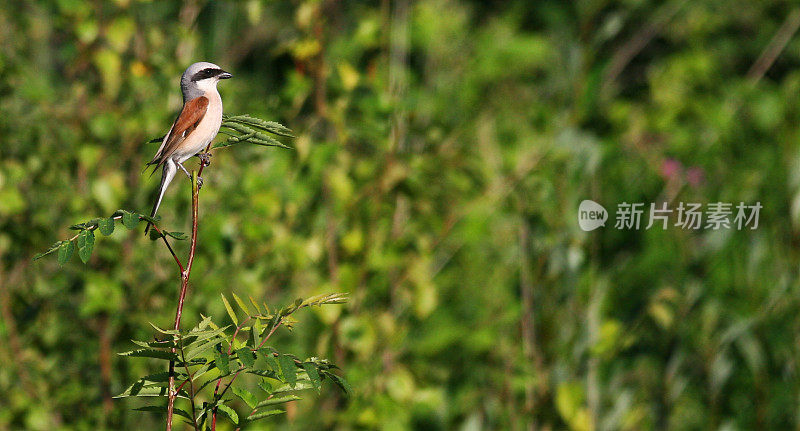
(312, 372)
(246, 396)
(230, 413)
(177, 235)
(106, 226)
(151, 353)
(277, 400)
(242, 304)
(223, 360)
(301, 385)
(270, 359)
(161, 376)
(230, 311)
(288, 368)
(262, 415)
(165, 331)
(265, 385)
(85, 245)
(163, 409)
(130, 220)
(165, 344)
(255, 304)
(52, 248)
(139, 390)
(341, 382)
(246, 356)
(202, 348)
(65, 252)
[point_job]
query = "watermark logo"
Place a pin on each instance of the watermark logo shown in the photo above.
(591, 215)
(687, 216)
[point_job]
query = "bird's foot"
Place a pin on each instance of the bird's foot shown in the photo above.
(205, 158)
(199, 182)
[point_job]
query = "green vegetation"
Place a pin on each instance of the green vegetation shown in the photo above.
(441, 149)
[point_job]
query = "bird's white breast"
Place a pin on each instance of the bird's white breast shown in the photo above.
(206, 130)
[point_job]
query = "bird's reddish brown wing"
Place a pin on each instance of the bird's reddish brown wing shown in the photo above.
(191, 115)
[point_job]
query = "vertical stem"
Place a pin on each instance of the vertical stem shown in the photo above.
(527, 323)
(184, 287)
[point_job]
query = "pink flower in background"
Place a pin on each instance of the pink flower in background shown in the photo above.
(671, 168)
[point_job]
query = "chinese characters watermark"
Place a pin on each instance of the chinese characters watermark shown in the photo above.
(687, 216)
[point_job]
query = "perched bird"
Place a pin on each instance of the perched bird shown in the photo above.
(195, 127)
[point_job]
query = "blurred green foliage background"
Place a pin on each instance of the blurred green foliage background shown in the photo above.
(443, 148)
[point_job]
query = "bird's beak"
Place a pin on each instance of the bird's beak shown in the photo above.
(225, 75)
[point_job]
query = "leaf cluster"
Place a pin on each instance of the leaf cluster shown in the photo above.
(244, 128)
(209, 358)
(84, 240)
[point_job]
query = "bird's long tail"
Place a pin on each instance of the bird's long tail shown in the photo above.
(167, 175)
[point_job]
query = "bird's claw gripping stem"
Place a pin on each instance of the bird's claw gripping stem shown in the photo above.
(205, 158)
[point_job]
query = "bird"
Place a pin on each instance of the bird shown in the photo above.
(196, 126)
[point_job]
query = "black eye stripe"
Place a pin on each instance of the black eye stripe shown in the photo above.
(206, 73)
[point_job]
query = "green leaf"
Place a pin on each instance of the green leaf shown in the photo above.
(202, 348)
(180, 236)
(313, 373)
(65, 252)
(270, 359)
(265, 385)
(341, 382)
(130, 220)
(288, 368)
(262, 415)
(246, 356)
(147, 218)
(255, 304)
(165, 331)
(106, 226)
(223, 360)
(242, 304)
(258, 330)
(270, 126)
(246, 396)
(162, 344)
(139, 390)
(277, 400)
(230, 310)
(230, 413)
(52, 248)
(163, 409)
(151, 353)
(91, 224)
(297, 387)
(85, 245)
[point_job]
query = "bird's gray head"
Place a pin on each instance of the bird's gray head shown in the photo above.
(200, 78)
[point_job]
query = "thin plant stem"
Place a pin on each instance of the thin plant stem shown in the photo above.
(214, 413)
(216, 388)
(185, 272)
(191, 387)
(169, 247)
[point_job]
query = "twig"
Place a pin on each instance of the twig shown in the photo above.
(191, 386)
(636, 44)
(169, 247)
(216, 388)
(775, 47)
(172, 394)
(214, 413)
